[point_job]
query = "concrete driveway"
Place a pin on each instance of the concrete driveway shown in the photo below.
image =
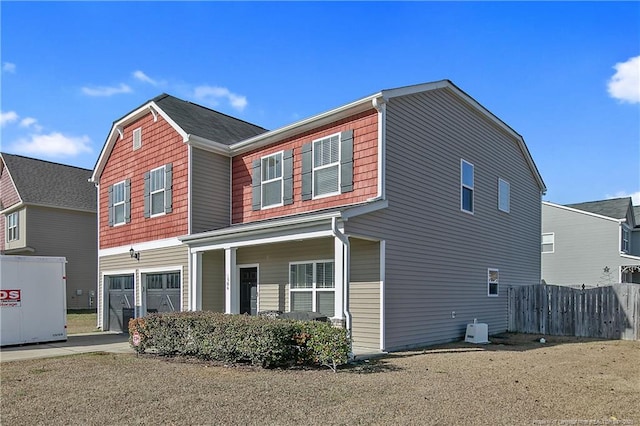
(75, 344)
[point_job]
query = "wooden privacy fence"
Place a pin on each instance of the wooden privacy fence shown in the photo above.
(611, 312)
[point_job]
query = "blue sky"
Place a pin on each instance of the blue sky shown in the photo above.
(566, 76)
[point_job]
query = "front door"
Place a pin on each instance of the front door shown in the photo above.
(249, 290)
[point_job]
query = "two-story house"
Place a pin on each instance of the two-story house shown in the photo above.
(590, 243)
(49, 209)
(394, 215)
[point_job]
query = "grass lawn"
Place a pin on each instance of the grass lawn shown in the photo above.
(81, 321)
(513, 381)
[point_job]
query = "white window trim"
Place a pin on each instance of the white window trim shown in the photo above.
(325, 166)
(496, 282)
(281, 179)
(137, 132)
(313, 289)
(501, 195)
(163, 190)
(553, 242)
(123, 203)
(472, 188)
(15, 227)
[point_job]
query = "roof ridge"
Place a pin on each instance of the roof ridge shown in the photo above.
(45, 161)
(165, 95)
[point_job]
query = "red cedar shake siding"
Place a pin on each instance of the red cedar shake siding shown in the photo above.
(365, 175)
(161, 144)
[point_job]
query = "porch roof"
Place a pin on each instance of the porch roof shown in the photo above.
(315, 224)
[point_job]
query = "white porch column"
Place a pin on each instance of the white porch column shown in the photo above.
(231, 289)
(195, 278)
(339, 259)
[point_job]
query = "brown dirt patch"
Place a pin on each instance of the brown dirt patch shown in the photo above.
(514, 380)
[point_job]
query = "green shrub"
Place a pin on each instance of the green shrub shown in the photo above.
(226, 338)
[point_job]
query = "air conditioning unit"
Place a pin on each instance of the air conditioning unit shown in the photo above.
(477, 333)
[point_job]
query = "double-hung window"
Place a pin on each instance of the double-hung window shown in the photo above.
(326, 166)
(504, 196)
(271, 180)
(157, 185)
(624, 239)
(118, 203)
(493, 279)
(312, 287)
(12, 227)
(548, 242)
(466, 186)
(158, 191)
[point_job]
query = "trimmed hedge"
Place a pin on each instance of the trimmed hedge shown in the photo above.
(256, 340)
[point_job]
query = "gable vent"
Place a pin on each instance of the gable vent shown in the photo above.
(137, 138)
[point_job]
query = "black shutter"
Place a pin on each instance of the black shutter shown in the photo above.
(147, 195)
(127, 201)
(287, 177)
(346, 161)
(168, 188)
(110, 206)
(256, 182)
(307, 172)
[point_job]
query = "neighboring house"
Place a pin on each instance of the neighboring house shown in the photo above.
(593, 243)
(403, 215)
(49, 209)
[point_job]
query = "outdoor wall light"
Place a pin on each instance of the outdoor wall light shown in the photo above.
(134, 254)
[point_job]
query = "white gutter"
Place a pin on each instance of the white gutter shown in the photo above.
(266, 138)
(345, 273)
(13, 207)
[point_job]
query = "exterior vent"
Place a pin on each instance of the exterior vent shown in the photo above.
(137, 138)
(477, 333)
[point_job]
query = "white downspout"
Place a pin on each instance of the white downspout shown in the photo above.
(345, 273)
(380, 104)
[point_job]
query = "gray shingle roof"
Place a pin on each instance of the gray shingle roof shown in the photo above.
(615, 208)
(206, 123)
(52, 184)
(636, 213)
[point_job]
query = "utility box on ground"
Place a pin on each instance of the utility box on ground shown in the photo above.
(477, 333)
(33, 299)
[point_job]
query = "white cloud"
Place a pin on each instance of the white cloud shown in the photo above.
(139, 75)
(31, 123)
(635, 196)
(213, 94)
(54, 144)
(625, 83)
(106, 91)
(7, 117)
(9, 67)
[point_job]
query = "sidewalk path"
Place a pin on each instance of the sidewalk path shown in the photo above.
(75, 344)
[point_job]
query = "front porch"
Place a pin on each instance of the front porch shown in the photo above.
(309, 266)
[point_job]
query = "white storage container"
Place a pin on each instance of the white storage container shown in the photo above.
(33, 299)
(477, 333)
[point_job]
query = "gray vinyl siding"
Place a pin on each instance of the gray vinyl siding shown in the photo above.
(273, 260)
(584, 245)
(213, 281)
(364, 294)
(70, 234)
(436, 255)
(210, 191)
